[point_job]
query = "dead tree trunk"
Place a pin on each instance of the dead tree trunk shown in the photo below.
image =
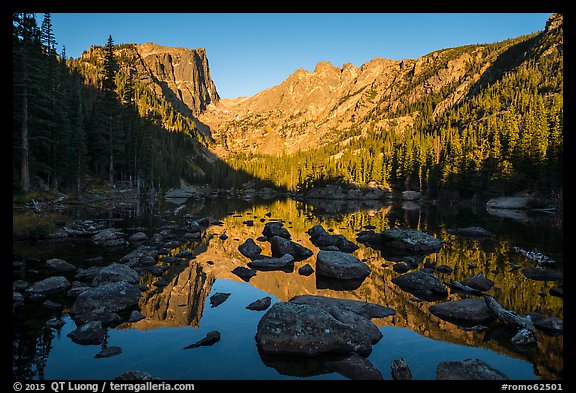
(526, 330)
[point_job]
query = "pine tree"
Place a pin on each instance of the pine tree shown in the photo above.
(47, 36)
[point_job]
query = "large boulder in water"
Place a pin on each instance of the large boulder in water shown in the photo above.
(337, 264)
(322, 239)
(541, 274)
(116, 272)
(110, 297)
(410, 240)
(249, 248)
(90, 333)
(469, 369)
(473, 311)
(281, 246)
(60, 265)
(48, 286)
(284, 262)
(275, 228)
(421, 284)
(520, 202)
(314, 325)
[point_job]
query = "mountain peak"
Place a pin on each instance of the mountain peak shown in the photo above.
(325, 66)
(554, 21)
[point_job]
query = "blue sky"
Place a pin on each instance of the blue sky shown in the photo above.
(251, 52)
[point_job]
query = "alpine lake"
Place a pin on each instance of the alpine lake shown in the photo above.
(179, 313)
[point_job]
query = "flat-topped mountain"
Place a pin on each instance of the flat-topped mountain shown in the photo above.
(180, 75)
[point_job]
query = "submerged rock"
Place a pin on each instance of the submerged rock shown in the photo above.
(411, 195)
(521, 202)
(469, 369)
(340, 265)
(444, 269)
(275, 228)
(479, 282)
(285, 262)
(355, 367)
(306, 270)
(218, 298)
(470, 232)
(313, 325)
(260, 304)
(108, 352)
(210, 339)
(249, 248)
(244, 273)
(281, 246)
(540, 274)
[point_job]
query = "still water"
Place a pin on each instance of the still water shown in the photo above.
(180, 314)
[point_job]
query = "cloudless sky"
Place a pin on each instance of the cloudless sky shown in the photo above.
(248, 53)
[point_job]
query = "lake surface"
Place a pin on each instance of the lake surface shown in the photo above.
(180, 314)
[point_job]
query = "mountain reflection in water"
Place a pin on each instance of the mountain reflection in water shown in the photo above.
(181, 303)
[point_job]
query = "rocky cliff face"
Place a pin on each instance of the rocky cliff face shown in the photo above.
(181, 75)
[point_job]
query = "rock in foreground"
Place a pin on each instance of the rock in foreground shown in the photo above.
(314, 325)
(469, 369)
